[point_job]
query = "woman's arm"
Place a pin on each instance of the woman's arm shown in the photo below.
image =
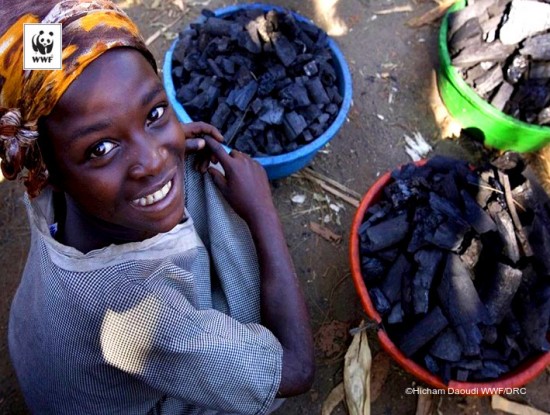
(284, 312)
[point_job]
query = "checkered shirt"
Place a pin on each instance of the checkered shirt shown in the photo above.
(169, 325)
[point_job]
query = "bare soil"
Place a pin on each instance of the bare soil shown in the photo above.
(392, 69)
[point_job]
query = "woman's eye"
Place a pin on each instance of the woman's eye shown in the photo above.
(155, 114)
(101, 149)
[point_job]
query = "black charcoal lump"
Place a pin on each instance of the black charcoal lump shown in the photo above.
(251, 64)
(443, 261)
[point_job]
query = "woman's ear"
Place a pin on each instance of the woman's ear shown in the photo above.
(45, 148)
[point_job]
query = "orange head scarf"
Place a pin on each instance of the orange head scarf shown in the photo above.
(89, 28)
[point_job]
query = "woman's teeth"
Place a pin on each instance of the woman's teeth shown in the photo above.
(154, 197)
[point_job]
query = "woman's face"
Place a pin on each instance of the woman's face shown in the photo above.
(117, 146)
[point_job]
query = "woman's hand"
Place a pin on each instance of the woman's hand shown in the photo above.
(245, 185)
(194, 142)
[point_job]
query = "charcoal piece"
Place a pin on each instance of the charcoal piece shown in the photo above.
(215, 68)
(227, 65)
(422, 332)
(290, 146)
(485, 84)
(470, 337)
(517, 68)
(489, 333)
(459, 17)
(508, 161)
(446, 186)
(491, 52)
(198, 103)
(388, 232)
(431, 364)
(469, 364)
(391, 286)
(534, 317)
(389, 254)
(266, 84)
(473, 73)
(471, 254)
(317, 91)
(539, 238)
(233, 128)
(311, 113)
(374, 214)
(294, 96)
(317, 129)
(256, 105)
(470, 29)
(502, 96)
(537, 47)
(462, 375)
(293, 124)
(177, 72)
(284, 49)
(510, 325)
(428, 261)
(532, 94)
(406, 294)
(501, 291)
(490, 27)
(427, 221)
(219, 27)
(244, 95)
(372, 269)
(220, 116)
(273, 145)
(334, 94)
(272, 112)
(245, 144)
(506, 230)
(445, 207)
(476, 216)
(458, 296)
(449, 235)
(396, 314)
(249, 40)
(447, 346)
(327, 74)
(332, 109)
(543, 117)
(311, 69)
(492, 370)
(379, 301)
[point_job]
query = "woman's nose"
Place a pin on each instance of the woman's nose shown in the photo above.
(148, 157)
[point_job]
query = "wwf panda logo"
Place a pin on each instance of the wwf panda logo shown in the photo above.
(43, 43)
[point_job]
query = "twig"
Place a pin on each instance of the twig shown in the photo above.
(397, 9)
(332, 182)
(159, 32)
(336, 192)
(432, 14)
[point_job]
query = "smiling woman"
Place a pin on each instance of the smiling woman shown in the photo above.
(147, 267)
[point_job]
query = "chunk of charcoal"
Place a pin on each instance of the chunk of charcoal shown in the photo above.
(485, 84)
(272, 112)
(537, 47)
(471, 254)
(249, 40)
(473, 73)
(311, 69)
(256, 105)
(469, 364)
(388, 233)
(476, 216)
(373, 269)
(379, 301)
(334, 95)
(462, 375)
(427, 221)
(266, 84)
(458, 296)
(506, 230)
(532, 94)
(311, 113)
(389, 254)
(543, 118)
(245, 95)
(431, 364)
(428, 261)
(215, 68)
(294, 96)
(227, 65)
(331, 109)
(490, 27)
(501, 291)
(502, 96)
(327, 74)
(391, 286)
(293, 124)
(406, 294)
(445, 207)
(470, 338)
(534, 317)
(487, 52)
(492, 369)
(375, 213)
(317, 91)
(447, 346)
(290, 147)
(317, 129)
(284, 49)
(422, 332)
(219, 27)
(245, 144)
(220, 116)
(396, 314)
(489, 333)
(447, 187)
(449, 235)
(470, 29)
(459, 17)
(517, 68)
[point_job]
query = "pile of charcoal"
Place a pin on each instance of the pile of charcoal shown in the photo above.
(265, 79)
(502, 48)
(457, 263)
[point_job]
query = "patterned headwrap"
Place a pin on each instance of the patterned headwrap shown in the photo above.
(89, 28)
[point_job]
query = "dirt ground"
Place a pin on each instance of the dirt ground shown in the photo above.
(392, 69)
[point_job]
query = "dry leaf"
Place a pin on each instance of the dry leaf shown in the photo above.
(180, 4)
(357, 365)
(499, 403)
(333, 399)
(378, 374)
(425, 405)
(324, 232)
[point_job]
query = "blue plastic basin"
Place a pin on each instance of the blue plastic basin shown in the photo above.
(285, 164)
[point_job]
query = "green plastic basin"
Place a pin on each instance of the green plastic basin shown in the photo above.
(473, 113)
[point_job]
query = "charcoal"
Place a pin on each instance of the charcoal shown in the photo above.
(514, 30)
(470, 337)
(391, 286)
(215, 68)
(388, 232)
(428, 262)
(334, 94)
(445, 207)
(459, 298)
(517, 68)
(379, 301)
(537, 47)
(307, 136)
(219, 27)
(449, 235)
(271, 113)
(493, 369)
(506, 230)
(459, 17)
(426, 224)
(406, 294)
(284, 49)
(293, 124)
(485, 84)
(422, 332)
(471, 254)
(267, 83)
(447, 187)
(469, 364)
(462, 375)
(492, 52)
(243, 96)
(294, 96)
(447, 346)
(431, 364)
(389, 254)
(489, 333)
(396, 314)
(543, 117)
(502, 96)
(534, 317)
(373, 269)
(490, 28)
(250, 40)
(220, 116)
(470, 29)
(475, 72)
(317, 91)
(311, 69)
(501, 292)
(476, 216)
